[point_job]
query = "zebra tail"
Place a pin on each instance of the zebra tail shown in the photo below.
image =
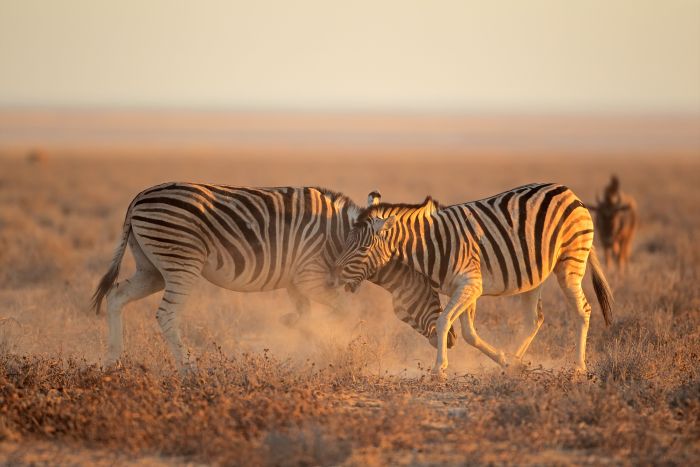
(111, 275)
(601, 287)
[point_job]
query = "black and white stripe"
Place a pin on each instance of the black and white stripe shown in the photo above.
(502, 245)
(244, 239)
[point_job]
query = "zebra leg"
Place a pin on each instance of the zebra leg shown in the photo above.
(462, 300)
(625, 253)
(140, 285)
(302, 304)
(532, 303)
(414, 300)
(473, 339)
(617, 254)
(177, 291)
(145, 281)
(570, 275)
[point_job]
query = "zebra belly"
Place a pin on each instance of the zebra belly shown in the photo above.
(496, 288)
(493, 284)
(243, 280)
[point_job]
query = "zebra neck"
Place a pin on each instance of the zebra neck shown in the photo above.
(412, 242)
(340, 223)
(435, 245)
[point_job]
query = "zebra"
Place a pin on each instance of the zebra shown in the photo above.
(503, 245)
(243, 239)
(616, 221)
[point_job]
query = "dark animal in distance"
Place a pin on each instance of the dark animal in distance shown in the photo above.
(616, 222)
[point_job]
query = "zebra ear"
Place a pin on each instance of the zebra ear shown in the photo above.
(374, 198)
(383, 225)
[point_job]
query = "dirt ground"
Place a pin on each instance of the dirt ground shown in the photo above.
(350, 390)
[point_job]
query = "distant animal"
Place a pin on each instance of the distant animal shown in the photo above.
(244, 239)
(503, 245)
(616, 223)
(36, 156)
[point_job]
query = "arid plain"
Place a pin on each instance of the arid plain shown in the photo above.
(352, 389)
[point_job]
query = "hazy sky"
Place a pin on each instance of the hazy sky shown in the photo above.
(521, 55)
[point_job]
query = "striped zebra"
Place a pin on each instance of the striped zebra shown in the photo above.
(244, 239)
(616, 223)
(503, 245)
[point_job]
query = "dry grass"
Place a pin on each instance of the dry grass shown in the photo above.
(338, 390)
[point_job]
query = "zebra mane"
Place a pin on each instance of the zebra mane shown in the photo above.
(339, 198)
(429, 207)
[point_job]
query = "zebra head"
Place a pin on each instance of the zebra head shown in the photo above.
(366, 250)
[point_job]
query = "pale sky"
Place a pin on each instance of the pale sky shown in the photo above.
(630, 56)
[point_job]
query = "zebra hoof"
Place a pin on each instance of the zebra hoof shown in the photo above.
(112, 363)
(438, 375)
(290, 319)
(514, 366)
(189, 373)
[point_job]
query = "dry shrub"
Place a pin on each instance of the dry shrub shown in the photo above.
(33, 257)
(628, 360)
(347, 363)
(10, 335)
(253, 408)
(305, 446)
(684, 400)
(214, 417)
